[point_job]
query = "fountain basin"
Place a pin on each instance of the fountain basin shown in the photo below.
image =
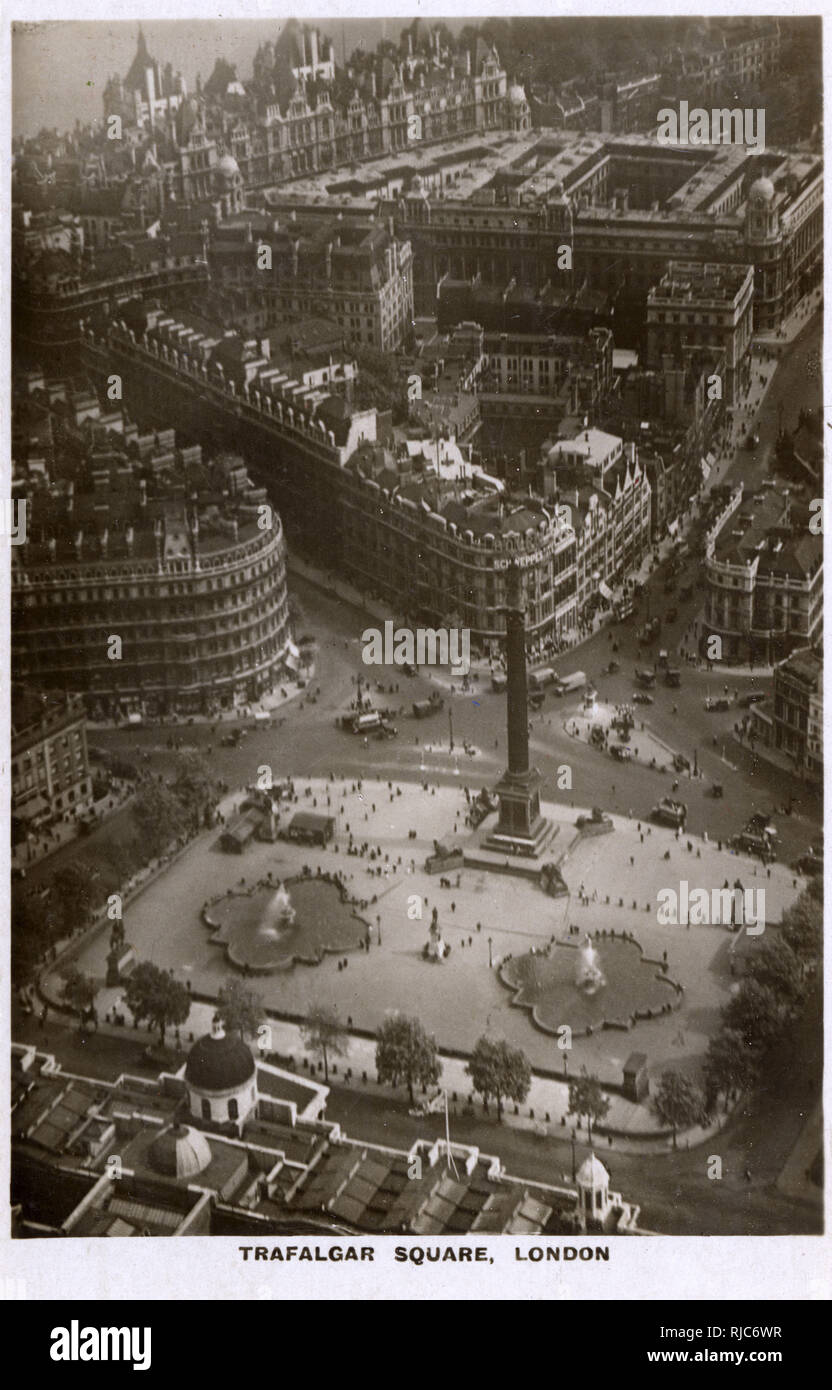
(546, 982)
(259, 936)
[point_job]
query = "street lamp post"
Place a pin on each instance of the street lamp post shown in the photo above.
(451, 729)
(574, 1165)
(490, 959)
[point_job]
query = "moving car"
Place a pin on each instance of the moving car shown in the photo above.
(621, 752)
(640, 697)
(670, 812)
(716, 706)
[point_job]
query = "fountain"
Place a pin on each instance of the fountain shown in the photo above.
(589, 976)
(266, 929)
(279, 915)
(564, 985)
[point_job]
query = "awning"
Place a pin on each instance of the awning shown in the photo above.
(31, 809)
(673, 527)
(605, 591)
(706, 468)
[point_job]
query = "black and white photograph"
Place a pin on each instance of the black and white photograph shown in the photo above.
(414, 644)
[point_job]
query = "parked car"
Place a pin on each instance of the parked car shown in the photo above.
(621, 752)
(640, 697)
(752, 698)
(716, 706)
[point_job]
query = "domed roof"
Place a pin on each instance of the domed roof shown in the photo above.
(516, 95)
(179, 1152)
(219, 1063)
(592, 1173)
(228, 167)
(762, 190)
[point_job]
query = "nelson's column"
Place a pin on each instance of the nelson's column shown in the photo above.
(520, 828)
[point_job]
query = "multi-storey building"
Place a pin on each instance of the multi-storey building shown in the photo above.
(743, 51)
(798, 709)
(233, 1145)
(601, 481)
(704, 306)
(538, 366)
(422, 523)
(50, 767)
(141, 587)
(357, 273)
(54, 288)
(764, 576)
(626, 206)
(148, 94)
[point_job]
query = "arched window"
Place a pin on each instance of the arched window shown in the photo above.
(233, 1109)
(206, 1109)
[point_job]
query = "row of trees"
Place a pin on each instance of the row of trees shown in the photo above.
(768, 999)
(753, 1020)
(161, 814)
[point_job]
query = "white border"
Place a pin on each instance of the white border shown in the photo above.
(682, 1268)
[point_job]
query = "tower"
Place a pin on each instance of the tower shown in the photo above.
(520, 828)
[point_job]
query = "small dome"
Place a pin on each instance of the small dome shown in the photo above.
(179, 1152)
(517, 95)
(219, 1063)
(592, 1173)
(762, 190)
(228, 167)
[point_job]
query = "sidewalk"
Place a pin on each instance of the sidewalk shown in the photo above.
(269, 701)
(633, 1128)
(785, 335)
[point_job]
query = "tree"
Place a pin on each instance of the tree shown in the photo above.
(777, 967)
(755, 1014)
(678, 1101)
(153, 995)
(587, 1098)
(240, 1008)
(32, 932)
(79, 991)
(379, 383)
(72, 896)
(801, 925)
(499, 1071)
(159, 815)
(405, 1053)
(194, 786)
(325, 1036)
(729, 1066)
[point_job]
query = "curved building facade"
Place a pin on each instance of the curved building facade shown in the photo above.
(144, 602)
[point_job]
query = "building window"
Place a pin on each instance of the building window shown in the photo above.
(206, 1109)
(233, 1109)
